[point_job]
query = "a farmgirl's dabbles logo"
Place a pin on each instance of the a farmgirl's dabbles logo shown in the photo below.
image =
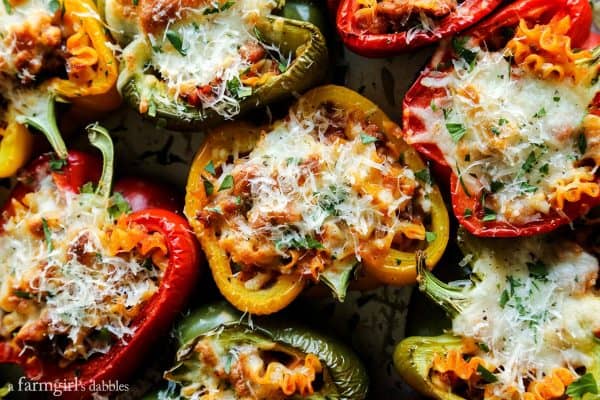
(58, 388)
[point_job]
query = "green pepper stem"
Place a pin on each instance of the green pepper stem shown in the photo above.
(100, 138)
(451, 299)
(45, 121)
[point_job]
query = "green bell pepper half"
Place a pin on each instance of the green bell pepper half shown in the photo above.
(308, 68)
(413, 356)
(344, 377)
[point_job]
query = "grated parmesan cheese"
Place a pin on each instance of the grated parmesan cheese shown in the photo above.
(210, 51)
(77, 287)
(534, 307)
(506, 132)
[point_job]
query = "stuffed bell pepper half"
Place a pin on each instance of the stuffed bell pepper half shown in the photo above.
(525, 326)
(310, 198)
(380, 28)
(191, 63)
(86, 282)
(224, 354)
(510, 112)
(48, 49)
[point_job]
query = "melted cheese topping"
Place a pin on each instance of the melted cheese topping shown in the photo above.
(27, 36)
(241, 370)
(58, 277)
(206, 51)
(508, 133)
(535, 308)
(317, 182)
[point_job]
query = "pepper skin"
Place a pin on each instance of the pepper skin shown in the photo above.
(344, 376)
(399, 267)
(468, 208)
(385, 45)
(158, 313)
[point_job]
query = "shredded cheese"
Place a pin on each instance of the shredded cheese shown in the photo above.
(55, 255)
(207, 52)
(508, 133)
(535, 308)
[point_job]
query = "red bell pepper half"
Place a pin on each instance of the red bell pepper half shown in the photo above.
(69, 173)
(361, 41)
(490, 33)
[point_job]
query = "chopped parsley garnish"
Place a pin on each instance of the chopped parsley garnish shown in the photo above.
(423, 175)
(495, 131)
(118, 206)
(210, 168)
(47, 234)
(502, 121)
(541, 113)
(328, 201)
(398, 261)
(430, 236)
(537, 269)
(581, 143)
(456, 131)
(434, 108)
(486, 375)
(556, 98)
(57, 164)
(525, 187)
(87, 188)
(496, 186)
(544, 169)
(584, 385)
(227, 183)
(529, 162)
(366, 139)
(214, 10)
(53, 6)
(468, 212)
(235, 88)
(458, 44)
(209, 188)
(504, 297)
(488, 215)
(282, 66)
(176, 41)
(306, 243)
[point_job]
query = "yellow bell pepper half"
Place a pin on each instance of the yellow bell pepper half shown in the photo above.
(399, 267)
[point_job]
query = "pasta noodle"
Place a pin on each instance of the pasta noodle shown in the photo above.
(545, 50)
(549, 387)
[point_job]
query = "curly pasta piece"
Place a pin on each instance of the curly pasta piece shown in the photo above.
(572, 188)
(545, 50)
(83, 58)
(293, 379)
(551, 386)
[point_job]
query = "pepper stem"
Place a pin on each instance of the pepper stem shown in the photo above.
(100, 138)
(44, 120)
(451, 299)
